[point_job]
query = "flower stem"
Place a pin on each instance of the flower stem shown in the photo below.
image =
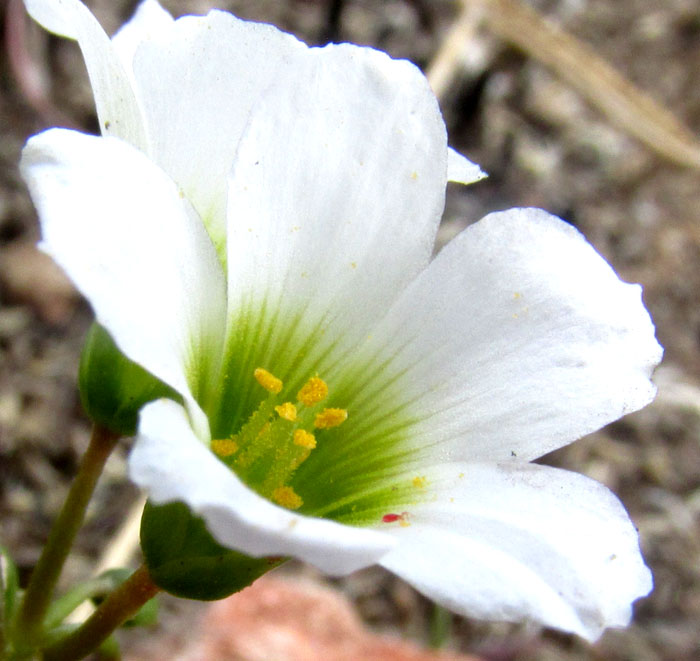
(118, 607)
(45, 575)
(440, 627)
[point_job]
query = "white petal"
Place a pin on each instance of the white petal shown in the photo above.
(197, 83)
(522, 541)
(337, 191)
(124, 235)
(461, 170)
(174, 465)
(117, 107)
(518, 339)
(149, 21)
(55, 15)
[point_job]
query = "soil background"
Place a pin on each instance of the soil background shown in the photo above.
(542, 145)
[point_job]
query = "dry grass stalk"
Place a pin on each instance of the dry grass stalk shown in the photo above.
(453, 50)
(631, 109)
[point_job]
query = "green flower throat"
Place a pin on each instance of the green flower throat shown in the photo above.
(278, 438)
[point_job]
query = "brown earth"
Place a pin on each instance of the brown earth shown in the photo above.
(542, 145)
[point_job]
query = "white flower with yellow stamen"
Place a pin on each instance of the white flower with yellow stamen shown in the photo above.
(255, 229)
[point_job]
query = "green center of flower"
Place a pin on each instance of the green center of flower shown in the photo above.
(278, 437)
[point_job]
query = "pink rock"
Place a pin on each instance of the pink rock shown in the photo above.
(284, 620)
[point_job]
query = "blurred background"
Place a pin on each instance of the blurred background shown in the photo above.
(527, 95)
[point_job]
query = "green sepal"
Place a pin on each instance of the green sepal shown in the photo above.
(185, 560)
(113, 389)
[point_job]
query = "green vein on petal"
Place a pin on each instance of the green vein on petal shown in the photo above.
(354, 472)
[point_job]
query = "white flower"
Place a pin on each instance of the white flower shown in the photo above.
(269, 205)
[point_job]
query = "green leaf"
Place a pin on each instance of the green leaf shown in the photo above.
(109, 650)
(9, 585)
(147, 615)
(440, 627)
(113, 389)
(94, 589)
(184, 559)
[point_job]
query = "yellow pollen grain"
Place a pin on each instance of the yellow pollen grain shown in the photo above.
(403, 523)
(287, 411)
(224, 447)
(267, 380)
(419, 482)
(304, 439)
(315, 390)
(287, 497)
(330, 418)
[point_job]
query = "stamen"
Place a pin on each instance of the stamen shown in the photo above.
(287, 497)
(224, 447)
(267, 450)
(287, 411)
(304, 439)
(315, 390)
(330, 418)
(267, 380)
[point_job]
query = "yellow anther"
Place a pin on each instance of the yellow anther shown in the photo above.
(287, 497)
(287, 411)
(314, 391)
(330, 418)
(304, 439)
(419, 482)
(267, 380)
(224, 447)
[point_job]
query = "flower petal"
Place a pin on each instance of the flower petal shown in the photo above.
(174, 465)
(526, 340)
(127, 239)
(522, 541)
(352, 195)
(117, 107)
(149, 21)
(197, 83)
(461, 170)
(335, 197)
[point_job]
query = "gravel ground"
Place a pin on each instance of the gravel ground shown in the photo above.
(542, 145)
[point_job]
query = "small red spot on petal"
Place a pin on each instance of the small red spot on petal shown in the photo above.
(390, 518)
